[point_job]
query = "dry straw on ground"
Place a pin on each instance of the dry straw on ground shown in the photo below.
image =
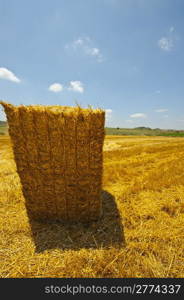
(140, 233)
(58, 154)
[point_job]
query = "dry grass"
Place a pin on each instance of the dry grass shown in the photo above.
(140, 234)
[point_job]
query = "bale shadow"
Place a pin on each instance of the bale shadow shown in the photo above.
(104, 233)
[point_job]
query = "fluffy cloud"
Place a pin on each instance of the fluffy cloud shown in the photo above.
(56, 87)
(76, 86)
(171, 29)
(9, 75)
(165, 44)
(78, 42)
(108, 115)
(2, 115)
(85, 45)
(108, 111)
(93, 51)
(138, 115)
(161, 110)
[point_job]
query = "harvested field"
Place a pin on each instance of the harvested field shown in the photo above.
(139, 235)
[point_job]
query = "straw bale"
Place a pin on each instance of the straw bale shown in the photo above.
(59, 158)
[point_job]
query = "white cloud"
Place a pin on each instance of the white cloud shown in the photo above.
(93, 51)
(108, 114)
(138, 115)
(85, 45)
(56, 87)
(165, 116)
(78, 42)
(2, 115)
(108, 111)
(161, 110)
(171, 29)
(9, 75)
(165, 44)
(76, 86)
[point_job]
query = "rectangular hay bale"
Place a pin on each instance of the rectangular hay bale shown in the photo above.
(58, 152)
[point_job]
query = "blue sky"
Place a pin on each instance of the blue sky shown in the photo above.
(126, 56)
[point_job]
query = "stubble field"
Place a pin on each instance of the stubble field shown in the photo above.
(141, 232)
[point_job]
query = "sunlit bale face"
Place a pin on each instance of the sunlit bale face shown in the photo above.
(58, 154)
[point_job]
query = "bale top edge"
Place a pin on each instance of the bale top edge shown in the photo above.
(52, 108)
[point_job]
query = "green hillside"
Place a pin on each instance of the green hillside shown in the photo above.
(144, 131)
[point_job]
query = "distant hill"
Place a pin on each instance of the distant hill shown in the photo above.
(139, 131)
(3, 123)
(144, 131)
(3, 128)
(143, 128)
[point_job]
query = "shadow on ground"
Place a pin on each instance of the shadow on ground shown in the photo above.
(104, 233)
